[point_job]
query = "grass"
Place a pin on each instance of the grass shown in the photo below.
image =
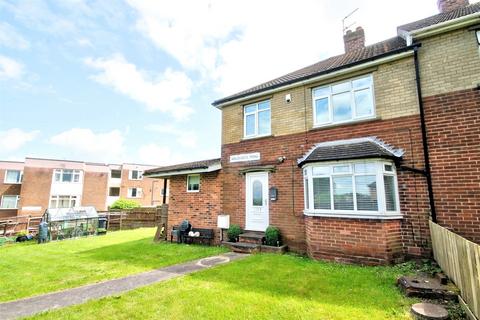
(31, 269)
(259, 287)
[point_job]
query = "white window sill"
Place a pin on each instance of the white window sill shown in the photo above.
(193, 191)
(8, 208)
(355, 215)
(334, 124)
(6, 182)
(257, 137)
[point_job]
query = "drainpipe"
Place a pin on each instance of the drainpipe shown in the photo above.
(164, 200)
(426, 154)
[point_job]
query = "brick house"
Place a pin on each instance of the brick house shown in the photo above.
(30, 187)
(350, 157)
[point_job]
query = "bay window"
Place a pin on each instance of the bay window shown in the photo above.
(345, 101)
(364, 188)
(257, 119)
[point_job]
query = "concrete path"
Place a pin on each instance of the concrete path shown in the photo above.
(30, 306)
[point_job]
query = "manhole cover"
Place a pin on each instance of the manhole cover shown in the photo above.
(208, 262)
(429, 311)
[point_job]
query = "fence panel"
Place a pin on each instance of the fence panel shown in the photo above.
(459, 258)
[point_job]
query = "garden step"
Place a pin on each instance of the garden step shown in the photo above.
(242, 247)
(254, 237)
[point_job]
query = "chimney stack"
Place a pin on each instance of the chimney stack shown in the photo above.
(354, 40)
(449, 5)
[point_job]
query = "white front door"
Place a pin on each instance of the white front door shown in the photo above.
(257, 201)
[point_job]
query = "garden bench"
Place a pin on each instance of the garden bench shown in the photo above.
(206, 235)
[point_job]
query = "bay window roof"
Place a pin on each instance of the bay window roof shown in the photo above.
(360, 148)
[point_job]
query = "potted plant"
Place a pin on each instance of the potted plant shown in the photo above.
(272, 237)
(233, 232)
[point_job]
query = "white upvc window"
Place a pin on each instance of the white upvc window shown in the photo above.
(13, 176)
(66, 175)
(344, 101)
(63, 201)
(9, 202)
(193, 183)
(256, 119)
(134, 192)
(362, 188)
(135, 175)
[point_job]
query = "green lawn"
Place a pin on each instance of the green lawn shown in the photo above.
(27, 270)
(259, 287)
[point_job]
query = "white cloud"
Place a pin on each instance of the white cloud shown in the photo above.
(15, 138)
(101, 146)
(10, 69)
(159, 155)
(9, 37)
(185, 137)
(167, 92)
(84, 42)
(240, 44)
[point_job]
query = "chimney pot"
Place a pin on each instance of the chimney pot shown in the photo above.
(449, 5)
(354, 40)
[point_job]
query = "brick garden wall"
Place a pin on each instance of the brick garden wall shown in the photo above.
(287, 212)
(453, 122)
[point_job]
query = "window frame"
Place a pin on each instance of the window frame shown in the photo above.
(6, 175)
(71, 198)
(138, 193)
(139, 174)
(188, 182)
(75, 173)
(9, 195)
(256, 113)
(352, 101)
(379, 172)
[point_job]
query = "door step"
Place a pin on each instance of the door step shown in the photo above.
(242, 247)
(253, 237)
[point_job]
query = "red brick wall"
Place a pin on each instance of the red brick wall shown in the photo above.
(200, 208)
(151, 189)
(354, 240)
(287, 212)
(95, 189)
(8, 189)
(453, 124)
(36, 189)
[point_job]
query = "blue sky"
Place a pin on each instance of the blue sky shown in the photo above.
(132, 81)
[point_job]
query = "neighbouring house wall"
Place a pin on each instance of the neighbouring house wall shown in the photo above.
(151, 189)
(453, 122)
(200, 208)
(395, 96)
(35, 190)
(287, 212)
(95, 189)
(8, 189)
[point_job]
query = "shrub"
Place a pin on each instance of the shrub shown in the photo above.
(124, 204)
(272, 236)
(233, 232)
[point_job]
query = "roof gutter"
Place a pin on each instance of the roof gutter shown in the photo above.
(371, 62)
(442, 27)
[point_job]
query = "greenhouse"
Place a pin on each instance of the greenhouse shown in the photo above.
(64, 223)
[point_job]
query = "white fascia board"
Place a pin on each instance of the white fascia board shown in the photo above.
(446, 26)
(211, 168)
(327, 76)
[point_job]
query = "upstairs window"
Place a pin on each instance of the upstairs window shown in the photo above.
(13, 176)
(257, 119)
(9, 202)
(193, 183)
(134, 192)
(135, 175)
(115, 174)
(343, 102)
(66, 175)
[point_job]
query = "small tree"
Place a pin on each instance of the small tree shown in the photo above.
(124, 204)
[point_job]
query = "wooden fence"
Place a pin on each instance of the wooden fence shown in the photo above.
(11, 226)
(460, 260)
(134, 218)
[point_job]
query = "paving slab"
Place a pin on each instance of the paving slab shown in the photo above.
(60, 299)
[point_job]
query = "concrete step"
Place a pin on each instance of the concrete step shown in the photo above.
(242, 247)
(254, 237)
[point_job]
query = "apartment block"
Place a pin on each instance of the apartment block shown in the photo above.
(32, 186)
